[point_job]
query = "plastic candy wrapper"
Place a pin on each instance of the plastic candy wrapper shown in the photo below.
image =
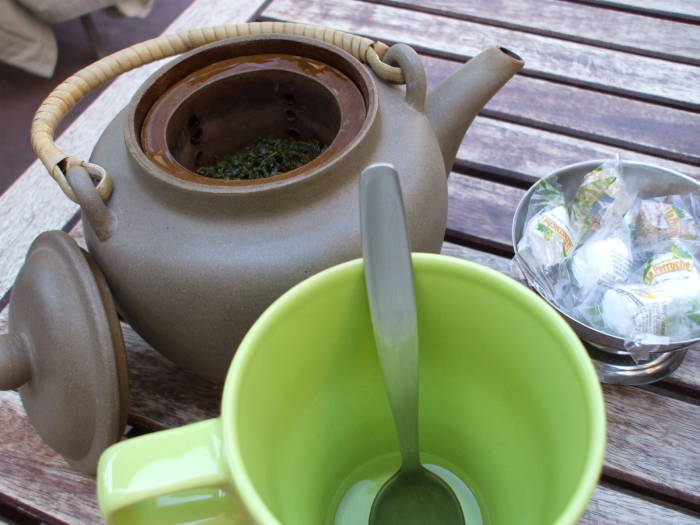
(625, 266)
(601, 200)
(665, 219)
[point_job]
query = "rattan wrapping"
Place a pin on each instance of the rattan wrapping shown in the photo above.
(73, 89)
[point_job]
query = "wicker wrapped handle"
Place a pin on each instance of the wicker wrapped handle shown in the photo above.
(69, 92)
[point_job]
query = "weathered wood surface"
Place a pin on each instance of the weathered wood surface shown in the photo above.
(35, 479)
(588, 24)
(530, 128)
(581, 113)
(686, 10)
(688, 375)
(481, 213)
(630, 510)
(579, 64)
(528, 153)
(650, 436)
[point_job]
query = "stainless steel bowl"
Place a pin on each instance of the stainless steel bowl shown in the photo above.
(613, 362)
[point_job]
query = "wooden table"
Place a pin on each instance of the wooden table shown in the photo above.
(601, 76)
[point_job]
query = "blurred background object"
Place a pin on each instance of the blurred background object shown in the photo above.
(42, 42)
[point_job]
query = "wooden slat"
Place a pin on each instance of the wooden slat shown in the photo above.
(616, 121)
(36, 479)
(490, 145)
(612, 507)
(687, 10)
(481, 212)
(163, 396)
(579, 64)
(529, 153)
(649, 434)
(524, 153)
(41, 483)
(650, 437)
(687, 376)
(661, 431)
(580, 23)
(157, 403)
(32, 477)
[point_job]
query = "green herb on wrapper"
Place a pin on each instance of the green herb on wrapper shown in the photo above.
(601, 198)
(264, 158)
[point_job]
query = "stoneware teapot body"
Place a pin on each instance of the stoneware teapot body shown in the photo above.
(193, 261)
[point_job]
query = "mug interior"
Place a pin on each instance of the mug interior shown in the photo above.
(509, 400)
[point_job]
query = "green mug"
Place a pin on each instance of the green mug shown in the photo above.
(509, 402)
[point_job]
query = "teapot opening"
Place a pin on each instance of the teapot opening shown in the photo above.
(218, 108)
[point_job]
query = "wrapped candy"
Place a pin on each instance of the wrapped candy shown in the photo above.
(605, 261)
(676, 263)
(548, 236)
(633, 309)
(602, 198)
(659, 221)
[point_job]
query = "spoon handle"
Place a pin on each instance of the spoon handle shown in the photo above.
(389, 280)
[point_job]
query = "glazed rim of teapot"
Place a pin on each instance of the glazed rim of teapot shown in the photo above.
(224, 96)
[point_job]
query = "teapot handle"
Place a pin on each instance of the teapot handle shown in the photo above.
(64, 97)
(406, 58)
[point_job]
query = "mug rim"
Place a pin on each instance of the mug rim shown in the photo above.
(584, 370)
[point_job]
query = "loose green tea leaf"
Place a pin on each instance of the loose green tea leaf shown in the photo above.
(266, 157)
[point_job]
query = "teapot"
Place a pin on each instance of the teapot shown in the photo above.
(192, 261)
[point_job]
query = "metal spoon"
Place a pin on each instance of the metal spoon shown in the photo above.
(413, 495)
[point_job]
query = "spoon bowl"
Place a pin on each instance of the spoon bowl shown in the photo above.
(416, 497)
(413, 494)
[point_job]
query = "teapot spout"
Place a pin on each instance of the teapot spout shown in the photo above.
(452, 106)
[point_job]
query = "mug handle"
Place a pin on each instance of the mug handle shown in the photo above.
(172, 476)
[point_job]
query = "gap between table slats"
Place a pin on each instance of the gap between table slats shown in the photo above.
(662, 471)
(680, 10)
(601, 27)
(572, 63)
(164, 396)
(480, 215)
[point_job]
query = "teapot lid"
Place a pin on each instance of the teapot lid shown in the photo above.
(65, 353)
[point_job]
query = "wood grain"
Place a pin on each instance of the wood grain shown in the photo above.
(580, 23)
(612, 507)
(579, 64)
(671, 9)
(524, 153)
(162, 394)
(687, 376)
(652, 442)
(576, 112)
(651, 438)
(529, 153)
(34, 478)
(41, 483)
(531, 128)
(650, 435)
(481, 212)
